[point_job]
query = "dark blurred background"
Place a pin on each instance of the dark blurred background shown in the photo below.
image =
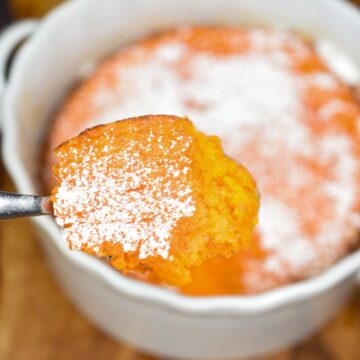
(4, 13)
(10, 9)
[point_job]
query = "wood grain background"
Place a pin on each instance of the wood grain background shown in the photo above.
(37, 322)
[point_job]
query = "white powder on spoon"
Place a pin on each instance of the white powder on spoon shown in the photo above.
(134, 196)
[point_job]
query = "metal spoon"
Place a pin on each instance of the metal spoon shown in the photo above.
(17, 205)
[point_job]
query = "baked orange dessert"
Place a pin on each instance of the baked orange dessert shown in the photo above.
(277, 107)
(152, 193)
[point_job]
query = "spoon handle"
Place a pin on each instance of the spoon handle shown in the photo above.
(16, 205)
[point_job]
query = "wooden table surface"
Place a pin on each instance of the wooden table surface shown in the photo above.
(37, 322)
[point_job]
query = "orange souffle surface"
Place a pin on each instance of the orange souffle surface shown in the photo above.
(152, 193)
(277, 108)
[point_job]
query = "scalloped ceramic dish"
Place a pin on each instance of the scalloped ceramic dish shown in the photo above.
(152, 318)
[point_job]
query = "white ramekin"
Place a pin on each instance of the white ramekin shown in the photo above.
(156, 320)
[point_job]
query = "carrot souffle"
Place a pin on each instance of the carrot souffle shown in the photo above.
(153, 194)
(278, 109)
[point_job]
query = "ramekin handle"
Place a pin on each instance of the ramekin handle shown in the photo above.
(10, 38)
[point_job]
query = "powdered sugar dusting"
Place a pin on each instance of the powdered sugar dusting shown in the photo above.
(260, 104)
(125, 196)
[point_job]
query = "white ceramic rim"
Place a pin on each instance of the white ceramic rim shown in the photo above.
(138, 291)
